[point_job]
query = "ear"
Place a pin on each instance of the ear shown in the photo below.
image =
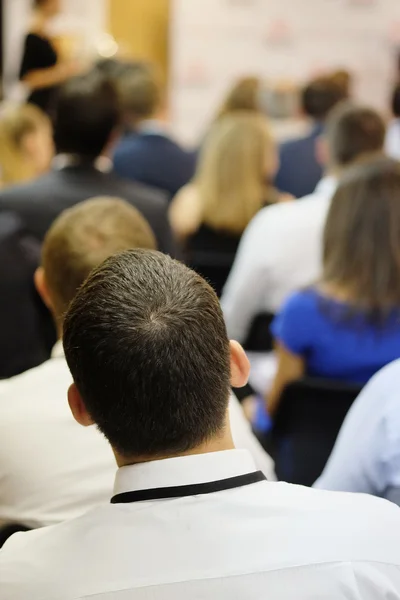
(78, 407)
(240, 366)
(322, 153)
(41, 287)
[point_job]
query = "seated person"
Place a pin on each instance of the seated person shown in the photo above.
(147, 152)
(26, 329)
(392, 144)
(45, 461)
(86, 121)
(281, 248)
(300, 170)
(347, 326)
(26, 144)
(190, 516)
(50, 469)
(366, 457)
(210, 214)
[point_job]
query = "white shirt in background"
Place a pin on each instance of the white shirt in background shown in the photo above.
(366, 456)
(51, 468)
(392, 143)
(264, 540)
(280, 252)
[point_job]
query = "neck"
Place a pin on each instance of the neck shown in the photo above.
(217, 444)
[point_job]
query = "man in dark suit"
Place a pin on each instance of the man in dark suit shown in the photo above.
(300, 170)
(147, 152)
(87, 117)
(26, 331)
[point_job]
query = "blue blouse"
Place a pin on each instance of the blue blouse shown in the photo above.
(349, 349)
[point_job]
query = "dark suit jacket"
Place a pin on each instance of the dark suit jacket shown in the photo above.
(26, 329)
(38, 203)
(155, 160)
(299, 170)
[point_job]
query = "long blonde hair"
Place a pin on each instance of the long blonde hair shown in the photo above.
(16, 122)
(231, 178)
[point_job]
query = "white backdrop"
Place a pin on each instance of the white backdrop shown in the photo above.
(215, 41)
(87, 18)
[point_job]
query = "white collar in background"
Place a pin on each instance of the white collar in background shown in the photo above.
(58, 350)
(185, 470)
(62, 161)
(327, 186)
(153, 127)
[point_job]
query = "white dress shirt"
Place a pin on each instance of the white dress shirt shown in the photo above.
(366, 456)
(51, 468)
(280, 252)
(392, 142)
(264, 540)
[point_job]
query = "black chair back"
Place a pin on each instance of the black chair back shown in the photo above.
(259, 338)
(307, 423)
(213, 266)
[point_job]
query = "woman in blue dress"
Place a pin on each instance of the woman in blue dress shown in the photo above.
(347, 326)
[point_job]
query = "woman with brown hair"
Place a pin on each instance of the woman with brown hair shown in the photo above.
(347, 327)
(230, 186)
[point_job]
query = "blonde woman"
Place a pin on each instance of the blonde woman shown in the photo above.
(26, 144)
(231, 184)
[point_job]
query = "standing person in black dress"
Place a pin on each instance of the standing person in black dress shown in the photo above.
(41, 70)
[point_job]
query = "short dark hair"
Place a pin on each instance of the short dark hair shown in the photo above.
(82, 237)
(320, 96)
(86, 112)
(362, 236)
(395, 101)
(353, 131)
(146, 344)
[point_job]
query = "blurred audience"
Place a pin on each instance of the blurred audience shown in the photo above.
(51, 469)
(392, 144)
(366, 457)
(27, 334)
(26, 144)
(191, 517)
(347, 326)
(147, 152)
(282, 247)
(300, 167)
(86, 123)
(41, 70)
(232, 182)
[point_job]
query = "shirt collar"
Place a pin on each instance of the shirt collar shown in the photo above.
(153, 127)
(185, 470)
(58, 350)
(327, 186)
(63, 161)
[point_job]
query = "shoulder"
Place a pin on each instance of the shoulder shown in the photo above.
(27, 190)
(356, 527)
(49, 379)
(144, 196)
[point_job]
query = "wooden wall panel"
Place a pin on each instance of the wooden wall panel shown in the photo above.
(141, 29)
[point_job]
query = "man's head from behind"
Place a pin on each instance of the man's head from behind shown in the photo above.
(87, 114)
(82, 238)
(320, 96)
(352, 132)
(146, 343)
(140, 89)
